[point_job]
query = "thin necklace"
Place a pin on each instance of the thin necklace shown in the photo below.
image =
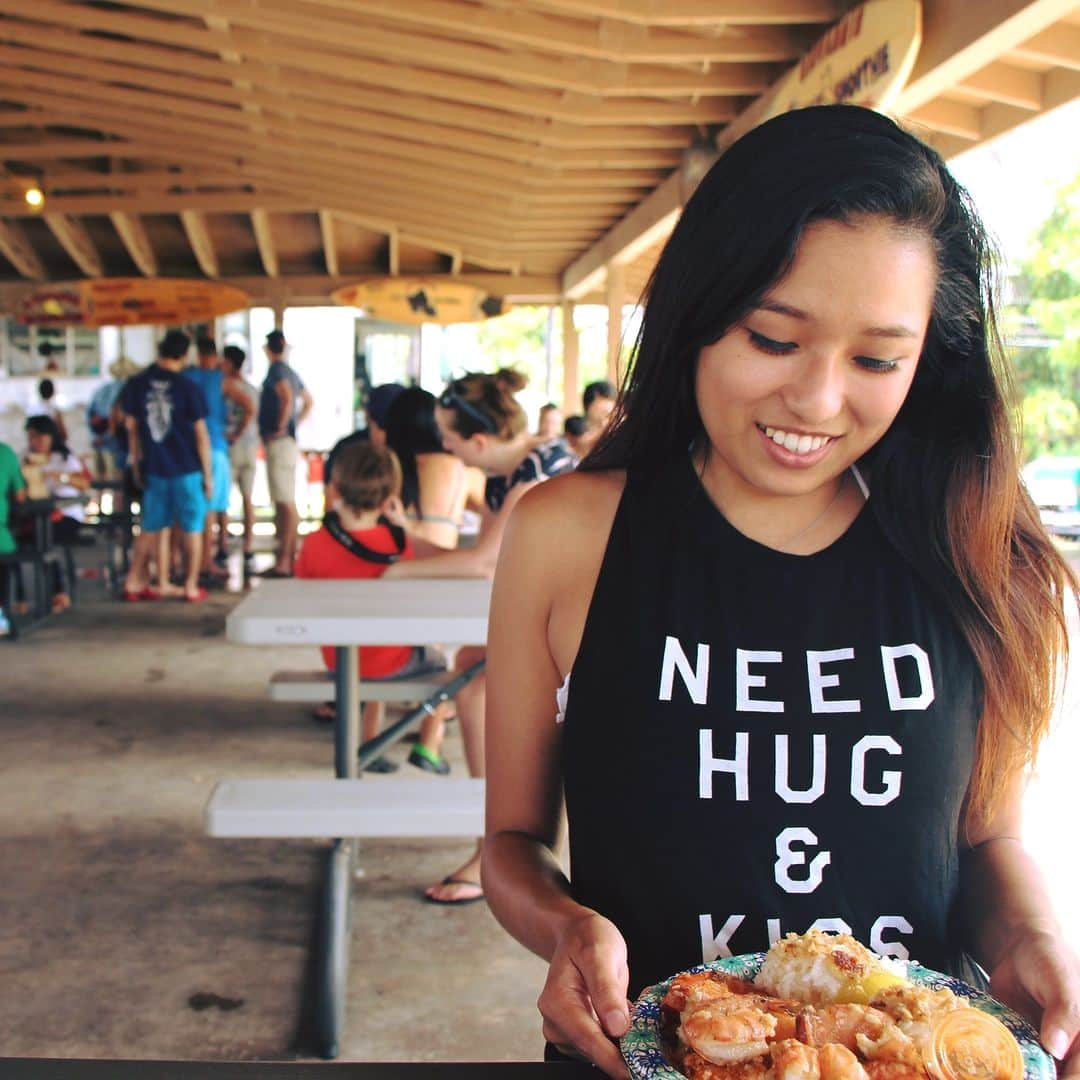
(784, 548)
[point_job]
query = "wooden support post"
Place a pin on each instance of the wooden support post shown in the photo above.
(616, 291)
(571, 379)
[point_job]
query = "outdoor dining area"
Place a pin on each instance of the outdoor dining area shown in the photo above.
(232, 235)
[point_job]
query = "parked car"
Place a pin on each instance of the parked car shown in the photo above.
(1054, 485)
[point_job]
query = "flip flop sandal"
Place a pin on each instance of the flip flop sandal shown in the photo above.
(450, 879)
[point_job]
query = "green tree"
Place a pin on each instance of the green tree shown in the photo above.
(1048, 287)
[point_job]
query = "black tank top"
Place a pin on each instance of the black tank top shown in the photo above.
(757, 743)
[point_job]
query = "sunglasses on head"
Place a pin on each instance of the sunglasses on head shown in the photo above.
(451, 399)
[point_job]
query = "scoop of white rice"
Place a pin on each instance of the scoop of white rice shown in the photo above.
(816, 967)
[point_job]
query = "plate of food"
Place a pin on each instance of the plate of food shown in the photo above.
(821, 1006)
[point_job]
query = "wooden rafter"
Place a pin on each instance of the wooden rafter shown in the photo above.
(133, 234)
(15, 247)
(264, 240)
(76, 241)
(201, 245)
(329, 242)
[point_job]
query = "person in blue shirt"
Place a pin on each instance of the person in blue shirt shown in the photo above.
(210, 378)
(165, 415)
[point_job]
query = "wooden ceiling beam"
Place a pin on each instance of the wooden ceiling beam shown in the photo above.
(689, 13)
(1003, 82)
(329, 242)
(18, 251)
(507, 135)
(287, 57)
(132, 233)
(180, 137)
(604, 40)
(952, 117)
(75, 240)
(202, 246)
(960, 38)
(264, 241)
(393, 254)
(1058, 46)
(231, 124)
(350, 36)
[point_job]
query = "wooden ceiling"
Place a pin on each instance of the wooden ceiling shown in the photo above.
(290, 146)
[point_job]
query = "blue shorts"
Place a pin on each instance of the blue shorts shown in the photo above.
(174, 500)
(221, 471)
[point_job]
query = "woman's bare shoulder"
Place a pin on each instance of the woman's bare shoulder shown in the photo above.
(577, 500)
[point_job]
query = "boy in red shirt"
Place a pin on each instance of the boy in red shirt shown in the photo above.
(357, 542)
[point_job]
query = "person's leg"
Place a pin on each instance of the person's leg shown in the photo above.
(191, 515)
(166, 550)
(287, 538)
(156, 518)
(137, 580)
(463, 884)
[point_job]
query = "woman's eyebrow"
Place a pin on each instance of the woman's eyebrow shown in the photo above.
(897, 330)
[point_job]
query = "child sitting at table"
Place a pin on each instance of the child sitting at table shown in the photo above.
(357, 542)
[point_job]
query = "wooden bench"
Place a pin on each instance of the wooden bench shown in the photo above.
(281, 807)
(318, 685)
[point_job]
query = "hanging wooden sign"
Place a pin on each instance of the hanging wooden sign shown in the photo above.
(129, 302)
(421, 300)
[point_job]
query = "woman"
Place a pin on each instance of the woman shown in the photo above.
(811, 616)
(434, 483)
(65, 477)
(480, 422)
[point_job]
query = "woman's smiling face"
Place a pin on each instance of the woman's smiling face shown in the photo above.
(812, 377)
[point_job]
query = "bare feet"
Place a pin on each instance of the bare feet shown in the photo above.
(60, 602)
(461, 887)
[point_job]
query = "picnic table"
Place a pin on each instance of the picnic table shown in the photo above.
(349, 615)
(103, 1069)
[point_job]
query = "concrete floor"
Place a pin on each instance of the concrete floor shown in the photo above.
(125, 932)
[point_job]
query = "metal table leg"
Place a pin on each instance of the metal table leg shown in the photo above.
(333, 959)
(336, 921)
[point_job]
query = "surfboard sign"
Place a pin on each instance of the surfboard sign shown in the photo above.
(865, 58)
(129, 302)
(417, 300)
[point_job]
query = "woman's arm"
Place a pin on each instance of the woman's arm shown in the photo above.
(539, 599)
(1012, 931)
(477, 561)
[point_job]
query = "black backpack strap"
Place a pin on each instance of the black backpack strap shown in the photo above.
(332, 524)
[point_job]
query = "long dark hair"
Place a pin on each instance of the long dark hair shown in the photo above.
(411, 430)
(945, 477)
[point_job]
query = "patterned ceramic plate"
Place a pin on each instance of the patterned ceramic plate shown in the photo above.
(644, 1055)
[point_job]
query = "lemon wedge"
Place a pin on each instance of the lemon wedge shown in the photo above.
(862, 991)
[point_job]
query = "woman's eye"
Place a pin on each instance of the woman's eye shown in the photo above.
(767, 344)
(873, 363)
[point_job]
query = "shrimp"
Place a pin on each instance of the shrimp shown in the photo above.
(725, 1022)
(894, 1070)
(731, 1029)
(696, 987)
(841, 1024)
(907, 1002)
(793, 1060)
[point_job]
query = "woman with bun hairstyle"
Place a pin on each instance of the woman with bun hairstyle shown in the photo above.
(481, 422)
(797, 663)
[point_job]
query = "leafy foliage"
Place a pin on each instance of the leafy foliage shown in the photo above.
(1049, 370)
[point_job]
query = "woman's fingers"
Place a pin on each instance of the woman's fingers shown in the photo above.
(584, 999)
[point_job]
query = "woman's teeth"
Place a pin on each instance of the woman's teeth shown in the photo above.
(797, 444)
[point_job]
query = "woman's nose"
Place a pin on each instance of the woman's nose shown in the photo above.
(816, 390)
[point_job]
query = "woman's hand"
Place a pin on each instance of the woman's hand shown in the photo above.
(393, 509)
(583, 1002)
(1039, 977)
